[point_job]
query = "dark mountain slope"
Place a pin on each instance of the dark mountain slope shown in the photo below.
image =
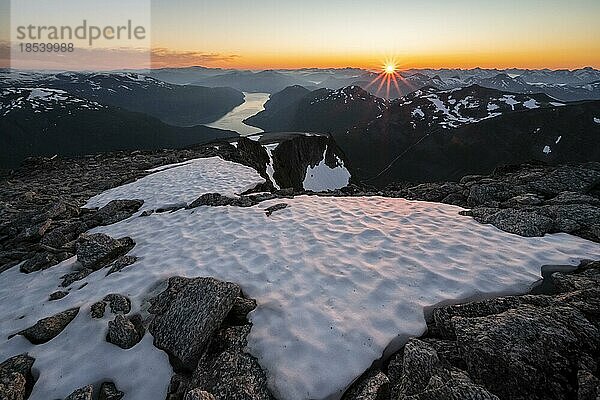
(47, 122)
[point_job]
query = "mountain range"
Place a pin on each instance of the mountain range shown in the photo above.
(434, 134)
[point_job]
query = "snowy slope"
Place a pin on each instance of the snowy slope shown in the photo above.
(183, 183)
(352, 276)
(41, 100)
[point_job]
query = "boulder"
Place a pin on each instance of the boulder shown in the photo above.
(218, 200)
(186, 315)
(75, 276)
(527, 352)
(372, 386)
(59, 294)
(96, 250)
(84, 393)
(109, 391)
(270, 210)
(118, 303)
(120, 263)
(39, 262)
(197, 394)
(48, 328)
(12, 386)
(232, 374)
(16, 380)
(117, 210)
(425, 377)
(125, 332)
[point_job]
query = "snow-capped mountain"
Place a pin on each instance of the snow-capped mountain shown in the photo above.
(41, 100)
(429, 107)
(173, 104)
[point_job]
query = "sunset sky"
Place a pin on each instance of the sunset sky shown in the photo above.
(263, 34)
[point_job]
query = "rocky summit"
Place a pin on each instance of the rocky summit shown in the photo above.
(540, 345)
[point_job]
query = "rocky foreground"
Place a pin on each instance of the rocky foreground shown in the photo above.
(545, 345)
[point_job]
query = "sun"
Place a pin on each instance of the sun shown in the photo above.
(389, 68)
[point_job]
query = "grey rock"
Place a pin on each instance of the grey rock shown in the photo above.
(218, 200)
(120, 263)
(118, 303)
(57, 295)
(197, 394)
(75, 276)
(240, 310)
(109, 391)
(233, 375)
(16, 380)
(84, 393)
(35, 232)
(270, 210)
(528, 352)
(124, 332)
(118, 210)
(96, 250)
(519, 222)
(426, 377)
(48, 328)
(97, 309)
(187, 313)
(39, 262)
(588, 386)
(373, 386)
(12, 386)
(589, 278)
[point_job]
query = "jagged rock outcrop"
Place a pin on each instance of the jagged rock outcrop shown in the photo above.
(48, 328)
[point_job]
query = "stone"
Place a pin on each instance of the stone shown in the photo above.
(218, 200)
(96, 250)
(48, 328)
(270, 210)
(75, 276)
(240, 310)
(425, 377)
(186, 315)
(120, 263)
(84, 393)
(16, 379)
(12, 386)
(97, 309)
(57, 295)
(118, 303)
(527, 352)
(519, 222)
(233, 375)
(109, 391)
(197, 394)
(35, 232)
(39, 262)
(124, 332)
(373, 386)
(118, 210)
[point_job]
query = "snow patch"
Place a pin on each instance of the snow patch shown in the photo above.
(183, 183)
(531, 104)
(336, 280)
(547, 150)
(322, 177)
